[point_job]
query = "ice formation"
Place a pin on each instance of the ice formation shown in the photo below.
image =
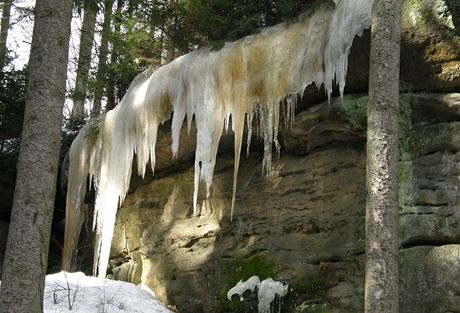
(241, 287)
(245, 79)
(267, 292)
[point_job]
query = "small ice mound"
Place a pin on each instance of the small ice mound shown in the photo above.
(241, 287)
(268, 292)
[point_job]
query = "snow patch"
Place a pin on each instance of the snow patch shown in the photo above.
(75, 292)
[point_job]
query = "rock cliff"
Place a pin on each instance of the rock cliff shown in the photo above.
(304, 223)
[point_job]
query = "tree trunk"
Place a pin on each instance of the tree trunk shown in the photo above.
(454, 8)
(382, 238)
(84, 60)
(102, 66)
(111, 98)
(5, 25)
(26, 256)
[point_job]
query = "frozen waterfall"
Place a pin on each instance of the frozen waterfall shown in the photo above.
(245, 79)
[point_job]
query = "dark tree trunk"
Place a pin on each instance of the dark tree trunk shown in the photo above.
(382, 239)
(84, 60)
(111, 92)
(454, 8)
(25, 263)
(102, 66)
(5, 25)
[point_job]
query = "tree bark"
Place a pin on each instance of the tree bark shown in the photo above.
(84, 60)
(103, 52)
(454, 8)
(382, 239)
(111, 97)
(26, 256)
(5, 25)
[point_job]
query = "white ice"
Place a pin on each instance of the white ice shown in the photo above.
(244, 80)
(267, 292)
(241, 287)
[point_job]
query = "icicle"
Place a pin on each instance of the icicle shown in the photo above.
(249, 119)
(245, 80)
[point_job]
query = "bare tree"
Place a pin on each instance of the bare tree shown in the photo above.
(25, 263)
(382, 238)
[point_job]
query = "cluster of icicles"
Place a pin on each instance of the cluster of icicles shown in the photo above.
(246, 79)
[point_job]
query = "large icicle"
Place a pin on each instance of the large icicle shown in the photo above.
(246, 79)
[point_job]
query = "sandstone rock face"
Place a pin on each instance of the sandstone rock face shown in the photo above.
(430, 279)
(304, 222)
(430, 49)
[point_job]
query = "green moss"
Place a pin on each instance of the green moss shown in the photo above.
(310, 289)
(355, 112)
(405, 126)
(422, 13)
(316, 308)
(242, 268)
(405, 182)
(308, 293)
(164, 188)
(405, 172)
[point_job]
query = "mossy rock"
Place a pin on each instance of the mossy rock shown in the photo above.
(242, 268)
(307, 295)
(312, 308)
(426, 14)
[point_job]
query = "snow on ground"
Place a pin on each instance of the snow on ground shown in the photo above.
(94, 295)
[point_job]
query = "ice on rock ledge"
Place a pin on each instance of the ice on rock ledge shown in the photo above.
(239, 289)
(244, 80)
(267, 292)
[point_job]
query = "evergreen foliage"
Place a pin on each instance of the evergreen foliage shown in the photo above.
(152, 33)
(12, 102)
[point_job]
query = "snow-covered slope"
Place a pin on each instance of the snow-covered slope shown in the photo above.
(75, 292)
